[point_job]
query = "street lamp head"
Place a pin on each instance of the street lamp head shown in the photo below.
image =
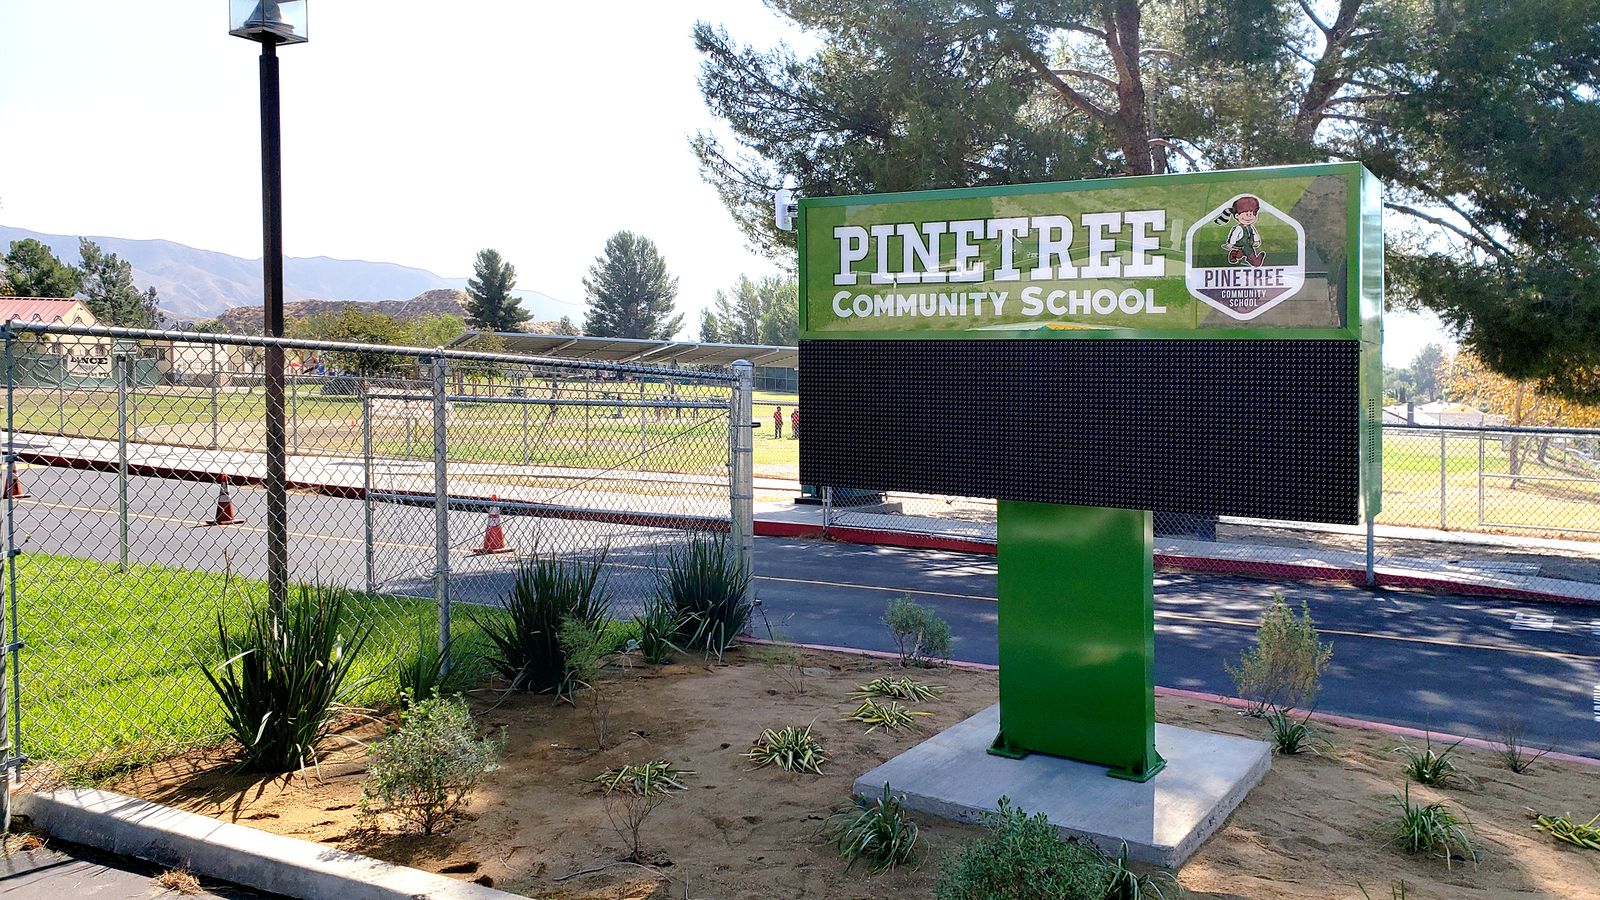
(268, 21)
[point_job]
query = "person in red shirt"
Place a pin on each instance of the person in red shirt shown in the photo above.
(794, 424)
(777, 423)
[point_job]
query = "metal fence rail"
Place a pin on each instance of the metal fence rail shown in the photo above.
(419, 479)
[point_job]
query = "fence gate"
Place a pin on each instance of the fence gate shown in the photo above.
(135, 515)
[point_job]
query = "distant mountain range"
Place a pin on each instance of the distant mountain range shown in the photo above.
(202, 284)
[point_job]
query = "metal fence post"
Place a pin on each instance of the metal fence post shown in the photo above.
(10, 724)
(216, 380)
(1444, 524)
(61, 394)
(827, 509)
(1372, 576)
(294, 413)
(741, 419)
(120, 361)
(1480, 476)
(644, 443)
(366, 485)
(441, 511)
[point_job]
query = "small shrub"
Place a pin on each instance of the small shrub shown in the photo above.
(633, 792)
(1430, 828)
(421, 673)
(788, 662)
(1123, 883)
(585, 649)
(1514, 751)
(921, 637)
(1426, 766)
(282, 678)
(708, 591)
(902, 688)
(526, 642)
(790, 749)
(423, 772)
(1585, 835)
(885, 714)
(879, 831)
(1022, 857)
(1284, 668)
(658, 626)
(1291, 736)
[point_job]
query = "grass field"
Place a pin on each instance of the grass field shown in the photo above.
(112, 660)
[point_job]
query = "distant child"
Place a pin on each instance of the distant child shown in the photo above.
(794, 424)
(777, 424)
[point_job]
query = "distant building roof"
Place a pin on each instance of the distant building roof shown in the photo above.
(632, 350)
(64, 310)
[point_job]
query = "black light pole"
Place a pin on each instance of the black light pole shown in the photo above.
(271, 24)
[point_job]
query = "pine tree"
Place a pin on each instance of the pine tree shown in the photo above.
(754, 312)
(106, 281)
(33, 271)
(630, 293)
(567, 326)
(490, 305)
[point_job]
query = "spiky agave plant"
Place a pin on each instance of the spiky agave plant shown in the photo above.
(791, 749)
(282, 677)
(525, 638)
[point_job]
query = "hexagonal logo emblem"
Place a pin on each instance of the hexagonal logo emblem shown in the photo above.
(1245, 257)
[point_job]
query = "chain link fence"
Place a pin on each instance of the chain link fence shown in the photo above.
(1493, 510)
(137, 513)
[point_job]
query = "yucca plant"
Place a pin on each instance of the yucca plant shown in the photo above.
(1122, 883)
(283, 676)
(791, 749)
(1427, 766)
(658, 626)
(1562, 828)
(879, 831)
(885, 714)
(1291, 736)
(1430, 828)
(526, 641)
(902, 688)
(708, 592)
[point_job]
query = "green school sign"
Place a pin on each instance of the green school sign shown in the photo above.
(1243, 311)
(1292, 252)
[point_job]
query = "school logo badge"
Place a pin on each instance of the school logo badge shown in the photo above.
(1245, 257)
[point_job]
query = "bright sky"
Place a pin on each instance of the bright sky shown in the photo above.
(536, 128)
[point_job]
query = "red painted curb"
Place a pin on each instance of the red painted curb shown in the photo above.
(1232, 702)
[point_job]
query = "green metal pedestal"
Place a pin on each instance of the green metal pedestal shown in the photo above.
(1077, 636)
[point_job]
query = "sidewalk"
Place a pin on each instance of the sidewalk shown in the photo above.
(699, 501)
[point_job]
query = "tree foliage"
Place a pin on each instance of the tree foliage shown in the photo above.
(490, 305)
(33, 271)
(106, 282)
(1480, 116)
(357, 327)
(630, 293)
(754, 312)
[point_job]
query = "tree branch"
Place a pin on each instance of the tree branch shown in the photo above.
(1489, 246)
(1306, 7)
(1091, 76)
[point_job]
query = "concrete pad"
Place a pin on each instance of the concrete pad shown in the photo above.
(223, 850)
(1164, 820)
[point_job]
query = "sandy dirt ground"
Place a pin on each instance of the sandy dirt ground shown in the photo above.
(1313, 828)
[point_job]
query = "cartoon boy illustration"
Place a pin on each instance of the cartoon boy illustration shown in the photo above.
(1244, 241)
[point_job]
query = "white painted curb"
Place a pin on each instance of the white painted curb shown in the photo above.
(228, 852)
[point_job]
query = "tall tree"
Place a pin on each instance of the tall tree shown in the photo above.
(567, 326)
(755, 312)
(33, 271)
(106, 282)
(1480, 116)
(710, 331)
(354, 326)
(1427, 371)
(630, 293)
(435, 330)
(490, 305)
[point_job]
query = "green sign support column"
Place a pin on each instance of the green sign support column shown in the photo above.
(1077, 636)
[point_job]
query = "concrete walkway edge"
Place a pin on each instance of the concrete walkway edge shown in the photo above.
(233, 853)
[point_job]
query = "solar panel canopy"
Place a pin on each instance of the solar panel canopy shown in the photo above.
(1201, 343)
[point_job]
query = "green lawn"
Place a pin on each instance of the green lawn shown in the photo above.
(112, 659)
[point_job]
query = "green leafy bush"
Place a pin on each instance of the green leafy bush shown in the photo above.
(1430, 828)
(423, 772)
(1022, 857)
(420, 672)
(921, 637)
(879, 831)
(1284, 668)
(526, 642)
(282, 678)
(586, 649)
(708, 592)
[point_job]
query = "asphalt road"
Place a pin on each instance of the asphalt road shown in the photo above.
(1454, 664)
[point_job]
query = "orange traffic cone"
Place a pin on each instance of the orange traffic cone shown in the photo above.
(494, 537)
(14, 489)
(225, 514)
